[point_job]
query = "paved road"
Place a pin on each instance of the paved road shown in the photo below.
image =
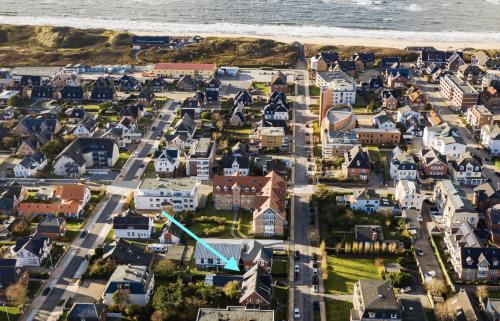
(64, 280)
(45, 308)
(302, 291)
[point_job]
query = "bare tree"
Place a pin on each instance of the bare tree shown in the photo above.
(17, 294)
(443, 311)
(482, 292)
(436, 287)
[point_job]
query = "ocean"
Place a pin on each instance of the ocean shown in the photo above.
(423, 20)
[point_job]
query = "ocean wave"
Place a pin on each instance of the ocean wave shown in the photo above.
(413, 8)
(493, 1)
(179, 29)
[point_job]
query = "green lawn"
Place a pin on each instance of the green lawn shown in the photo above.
(263, 87)
(280, 268)
(243, 131)
(316, 128)
(245, 223)
(91, 107)
(124, 156)
(317, 151)
(344, 271)
(149, 172)
(73, 229)
(497, 165)
(13, 313)
(314, 90)
(110, 237)
(280, 302)
(494, 294)
(197, 228)
(337, 310)
(374, 153)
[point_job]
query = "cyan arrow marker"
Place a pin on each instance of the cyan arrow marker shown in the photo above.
(231, 263)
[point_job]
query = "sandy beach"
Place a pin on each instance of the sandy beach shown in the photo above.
(352, 41)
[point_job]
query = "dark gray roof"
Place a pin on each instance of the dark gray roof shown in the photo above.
(123, 252)
(31, 244)
(243, 161)
(9, 273)
(412, 309)
(32, 161)
(472, 256)
(85, 312)
(378, 297)
(185, 125)
(50, 224)
(357, 158)
(279, 78)
(83, 145)
(89, 122)
(465, 307)
(34, 125)
(256, 281)
(131, 110)
(72, 92)
(131, 220)
(366, 233)
(226, 249)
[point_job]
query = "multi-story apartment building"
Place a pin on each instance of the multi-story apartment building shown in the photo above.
(454, 205)
(268, 137)
(180, 193)
(407, 195)
(478, 116)
(374, 136)
(265, 195)
(460, 93)
(337, 87)
(335, 143)
(177, 70)
(445, 140)
(402, 165)
(490, 138)
(374, 300)
(466, 170)
(471, 260)
(200, 159)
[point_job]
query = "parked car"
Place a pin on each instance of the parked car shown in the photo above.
(430, 275)
(83, 234)
(296, 255)
(406, 289)
(46, 291)
(315, 271)
(315, 257)
(315, 280)
(296, 313)
(419, 252)
(315, 288)
(296, 268)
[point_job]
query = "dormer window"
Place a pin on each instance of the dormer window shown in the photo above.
(461, 168)
(371, 315)
(394, 315)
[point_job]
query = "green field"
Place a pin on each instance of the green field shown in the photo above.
(124, 156)
(280, 302)
(262, 87)
(337, 310)
(197, 228)
(314, 90)
(344, 271)
(497, 165)
(73, 229)
(12, 312)
(374, 153)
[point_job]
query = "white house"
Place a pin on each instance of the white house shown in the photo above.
(405, 113)
(86, 127)
(402, 166)
(236, 163)
(180, 193)
(171, 233)
(123, 133)
(137, 279)
(30, 251)
(30, 165)
(490, 138)
(276, 111)
(86, 152)
(364, 200)
(131, 225)
(384, 121)
(166, 161)
(338, 84)
(454, 205)
(467, 170)
(408, 195)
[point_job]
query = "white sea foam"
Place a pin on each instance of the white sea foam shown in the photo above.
(257, 30)
(493, 1)
(414, 8)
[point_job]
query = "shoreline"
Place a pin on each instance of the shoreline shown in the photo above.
(307, 34)
(348, 41)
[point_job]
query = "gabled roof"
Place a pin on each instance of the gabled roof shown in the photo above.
(464, 307)
(131, 220)
(123, 252)
(255, 281)
(279, 78)
(46, 91)
(85, 312)
(169, 154)
(83, 145)
(185, 125)
(243, 161)
(72, 92)
(31, 244)
(244, 97)
(89, 122)
(357, 158)
(50, 224)
(329, 56)
(32, 161)
(132, 110)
